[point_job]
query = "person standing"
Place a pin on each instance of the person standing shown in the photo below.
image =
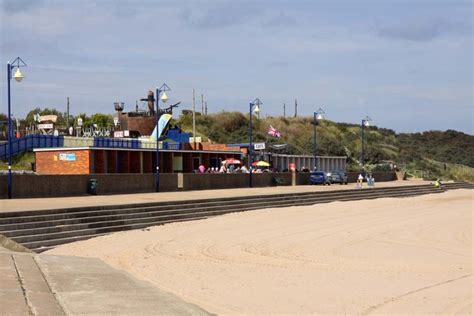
(360, 180)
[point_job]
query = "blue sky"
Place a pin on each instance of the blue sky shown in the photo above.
(407, 64)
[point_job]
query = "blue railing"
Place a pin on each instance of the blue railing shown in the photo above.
(116, 143)
(29, 142)
(172, 146)
(48, 141)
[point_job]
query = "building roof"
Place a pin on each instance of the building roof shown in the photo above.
(138, 149)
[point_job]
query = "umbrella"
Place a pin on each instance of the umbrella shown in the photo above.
(260, 163)
(232, 161)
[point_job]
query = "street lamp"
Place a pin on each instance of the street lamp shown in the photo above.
(365, 123)
(254, 107)
(160, 94)
(318, 115)
(18, 76)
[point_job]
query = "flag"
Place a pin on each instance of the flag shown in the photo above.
(274, 132)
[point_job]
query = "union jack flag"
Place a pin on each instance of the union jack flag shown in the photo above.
(274, 132)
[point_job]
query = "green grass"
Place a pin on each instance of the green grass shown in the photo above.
(19, 162)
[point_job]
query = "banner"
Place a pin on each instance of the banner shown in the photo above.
(162, 123)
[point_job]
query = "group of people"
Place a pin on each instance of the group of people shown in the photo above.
(223, 169)
(368, 178)
(231, 168)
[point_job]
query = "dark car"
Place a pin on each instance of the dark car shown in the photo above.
(336, 176)
(319, 177)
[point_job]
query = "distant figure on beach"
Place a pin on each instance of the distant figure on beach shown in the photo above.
(360, 179)
(370, 180)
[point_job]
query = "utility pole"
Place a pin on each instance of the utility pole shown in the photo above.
(205, 107)
(194, 118)
(284, 110)
(202, 104)
(67, 118)
(296, 107)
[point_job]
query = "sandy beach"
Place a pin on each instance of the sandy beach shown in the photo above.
(406, 256)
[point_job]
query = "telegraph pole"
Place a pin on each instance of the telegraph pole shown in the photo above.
(205, 107)
(194, 118)
(67, 118)
(202, 104)
(284, 110)
(296, 107)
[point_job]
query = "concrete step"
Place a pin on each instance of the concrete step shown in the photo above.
(97, 221)
(6, 216)
(49, 239)
(45, 217)
(41, 230)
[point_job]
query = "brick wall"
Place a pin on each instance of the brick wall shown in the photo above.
(48, 162)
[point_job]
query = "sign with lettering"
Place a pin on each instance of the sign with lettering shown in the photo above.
(46, 126)
(67, 157)
(118, 134)
(259, 146)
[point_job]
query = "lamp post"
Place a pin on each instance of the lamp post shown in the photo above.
(18, 76)
(365, 123)
(318, 115)
(160, 93)
(254, 107)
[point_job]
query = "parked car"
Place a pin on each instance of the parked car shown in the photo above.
(319, 177)
(336, 176)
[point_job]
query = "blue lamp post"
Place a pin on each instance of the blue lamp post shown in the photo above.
(365, 123)
(18, 76)
(254, 107)
(160, 94)
(318, 115)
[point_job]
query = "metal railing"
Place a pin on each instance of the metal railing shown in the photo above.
(31, 142)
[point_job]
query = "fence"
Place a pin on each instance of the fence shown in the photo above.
(31, 142)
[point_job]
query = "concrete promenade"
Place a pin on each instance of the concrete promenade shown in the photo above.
(61, 285)
(81, 201)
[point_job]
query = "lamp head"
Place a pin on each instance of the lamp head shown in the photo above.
(320, 114)
(256, 109)
(366, 121)
(164, 97)
(18, 76)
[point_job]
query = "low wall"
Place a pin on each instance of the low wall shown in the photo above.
(35, 186)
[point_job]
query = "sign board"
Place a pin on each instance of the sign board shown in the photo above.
(67, 157)
(126, 133)
(46, 126)
(259, 146)
(118, 134)
(45, 118)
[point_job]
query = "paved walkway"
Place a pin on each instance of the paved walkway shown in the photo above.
(59, 285)
(69, 202)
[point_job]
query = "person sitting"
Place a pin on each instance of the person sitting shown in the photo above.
(223, 169)
(201, 168)
(244, 169)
